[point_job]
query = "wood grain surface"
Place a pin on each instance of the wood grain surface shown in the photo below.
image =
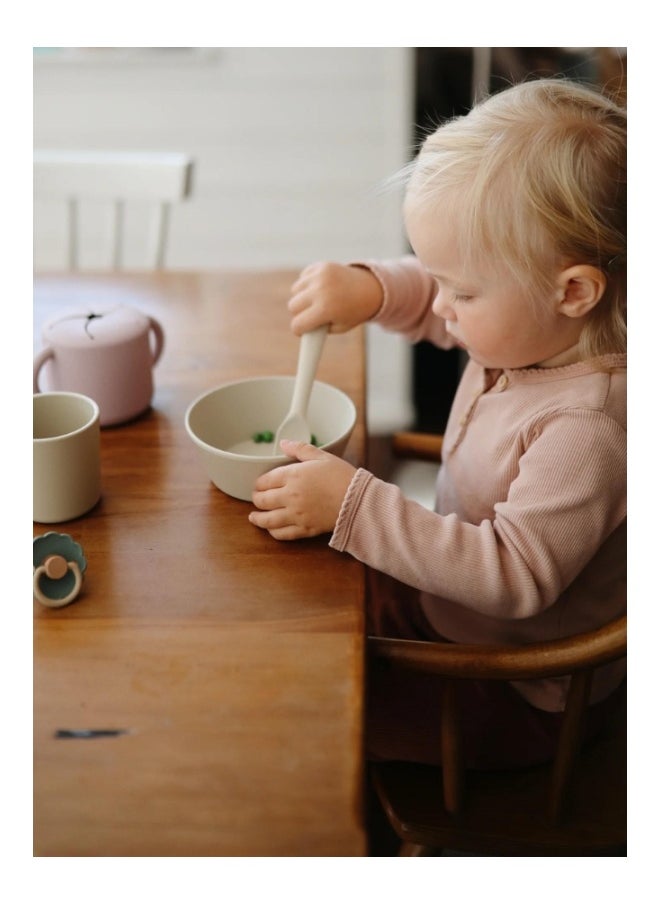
(229, 665)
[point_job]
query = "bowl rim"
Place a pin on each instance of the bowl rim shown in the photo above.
(238, 456)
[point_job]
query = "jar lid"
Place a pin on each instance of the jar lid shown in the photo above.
(96, 325)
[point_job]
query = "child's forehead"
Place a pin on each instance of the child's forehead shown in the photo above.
(437, 222)
(446, 204)
(427, 212)
(444, 243)
(436, 242)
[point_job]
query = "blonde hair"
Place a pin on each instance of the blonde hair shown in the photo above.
(538, 175)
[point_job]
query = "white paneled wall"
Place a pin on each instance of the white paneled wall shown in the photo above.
(291, 148)
(292, 145)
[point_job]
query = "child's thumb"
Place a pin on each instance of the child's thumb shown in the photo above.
(301, 451)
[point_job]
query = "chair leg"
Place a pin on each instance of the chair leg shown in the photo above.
(408, 849)
(381, 838)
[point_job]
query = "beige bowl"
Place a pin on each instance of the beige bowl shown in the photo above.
(223, 422)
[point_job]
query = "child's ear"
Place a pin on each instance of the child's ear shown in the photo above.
(579, 289)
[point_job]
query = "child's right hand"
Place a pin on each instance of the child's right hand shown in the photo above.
(336, 294)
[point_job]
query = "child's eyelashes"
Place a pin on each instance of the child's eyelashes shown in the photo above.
(454, 296)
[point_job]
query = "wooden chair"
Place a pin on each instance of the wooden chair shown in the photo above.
(573, 806)
(422, 446)
(116, 179)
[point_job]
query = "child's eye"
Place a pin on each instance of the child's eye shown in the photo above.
(462, 297)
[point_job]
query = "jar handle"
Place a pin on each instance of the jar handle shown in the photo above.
(39, 362)
(159, 339)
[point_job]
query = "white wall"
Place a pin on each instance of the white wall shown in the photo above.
(291, 145)
(291, 148)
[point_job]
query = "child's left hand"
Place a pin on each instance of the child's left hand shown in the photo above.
(301, 499)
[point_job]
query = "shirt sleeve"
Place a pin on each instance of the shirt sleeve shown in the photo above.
(566, 499)
(408, 293)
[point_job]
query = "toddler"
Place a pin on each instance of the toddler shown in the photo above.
(517, 217)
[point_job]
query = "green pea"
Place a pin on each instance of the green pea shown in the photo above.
(267, 436)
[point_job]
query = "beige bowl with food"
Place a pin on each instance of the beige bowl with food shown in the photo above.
(230, 425)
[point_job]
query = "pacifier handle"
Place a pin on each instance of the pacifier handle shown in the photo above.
(55, 567)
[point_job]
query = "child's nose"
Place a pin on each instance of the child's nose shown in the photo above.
(442, 306)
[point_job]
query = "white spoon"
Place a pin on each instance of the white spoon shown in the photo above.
(295, 426)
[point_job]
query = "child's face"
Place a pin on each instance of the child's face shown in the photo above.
(486, 310)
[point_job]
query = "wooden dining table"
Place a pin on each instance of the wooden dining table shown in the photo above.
(203, 696)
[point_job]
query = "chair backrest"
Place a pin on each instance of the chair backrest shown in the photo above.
(576, 657)
(113, 179)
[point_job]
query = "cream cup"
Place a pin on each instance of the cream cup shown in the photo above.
(66, 456)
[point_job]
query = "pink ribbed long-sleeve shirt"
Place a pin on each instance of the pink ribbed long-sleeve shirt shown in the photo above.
(528, 538)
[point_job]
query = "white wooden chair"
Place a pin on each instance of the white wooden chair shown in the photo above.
(106, 183)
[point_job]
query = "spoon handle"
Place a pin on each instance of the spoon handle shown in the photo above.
(311, 346)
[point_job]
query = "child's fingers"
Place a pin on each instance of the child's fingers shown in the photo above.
(299, 301)
(266, 500)
(304, 322)
(306, 313)
(290, 532)
(302, 451)
(271, 479)
(269, 519)
(278, 525)
(307, 276)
